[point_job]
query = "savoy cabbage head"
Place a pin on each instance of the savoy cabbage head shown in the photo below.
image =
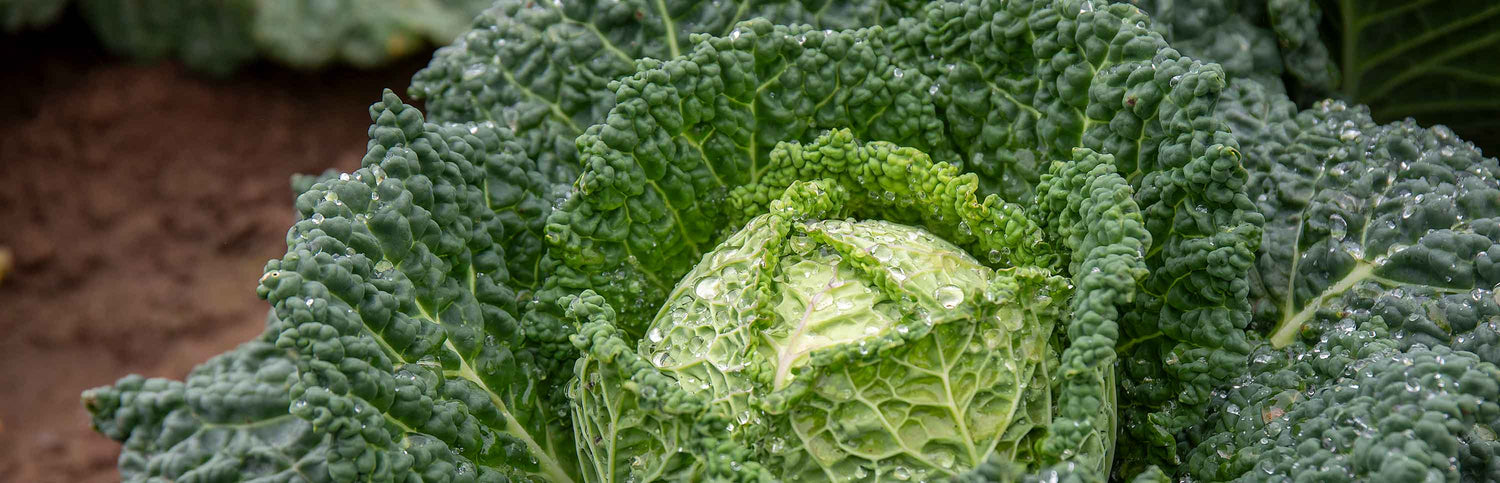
(763, 240)
(825, 345)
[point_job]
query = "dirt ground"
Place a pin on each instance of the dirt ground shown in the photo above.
(138, 204)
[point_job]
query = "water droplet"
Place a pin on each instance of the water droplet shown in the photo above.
(943, 459)
(949, 296)
(991, 338)
(662, 359)
(881, 253)
(317, 218)
(655, 335)
(901, 473)
(709, 288)
(473, 71)
(1337, 227)
(898, 73)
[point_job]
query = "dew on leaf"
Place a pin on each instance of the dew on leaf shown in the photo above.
(709, 288)
(949, 296)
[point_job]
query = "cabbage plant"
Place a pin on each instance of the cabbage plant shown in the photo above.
(870, 241)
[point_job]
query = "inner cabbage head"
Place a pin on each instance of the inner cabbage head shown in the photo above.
(841, 347)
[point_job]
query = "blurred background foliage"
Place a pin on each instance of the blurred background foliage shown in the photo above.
(219, 36)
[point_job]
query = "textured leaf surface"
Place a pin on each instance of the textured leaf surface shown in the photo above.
(1424, 59)
(403, 315)
(651, 200)
(1355, 207)
(1235, 33)
(1088, 206)
(1351, 406)
(1376, 289)
(227, 422)
(397, 325)
(543, 69)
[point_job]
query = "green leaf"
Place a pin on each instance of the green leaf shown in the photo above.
(651, 200)
(402, 314)
(544, 69)
(1088, 206)
(1235, 33)
(227, 422)
(1395, 213)
(1431, 60)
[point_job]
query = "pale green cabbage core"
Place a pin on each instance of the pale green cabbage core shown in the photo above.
(861, 347)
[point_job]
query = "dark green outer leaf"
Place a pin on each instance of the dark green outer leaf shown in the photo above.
(1376, 285)
(1234, 33)
(543, 69)
(1434, 60)
(402, 317)
(650, 202)
(395, 321)
(1396, 208)
(227, 422)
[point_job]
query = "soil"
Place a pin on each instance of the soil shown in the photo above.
(138, 204)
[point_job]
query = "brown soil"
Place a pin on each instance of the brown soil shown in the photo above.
(138, 204)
